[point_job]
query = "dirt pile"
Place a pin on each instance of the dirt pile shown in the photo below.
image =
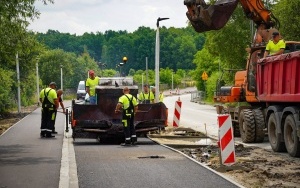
(254, 167)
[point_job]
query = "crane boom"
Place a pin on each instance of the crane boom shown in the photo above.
(205, 17)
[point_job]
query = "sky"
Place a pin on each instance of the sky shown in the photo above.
(80, 16)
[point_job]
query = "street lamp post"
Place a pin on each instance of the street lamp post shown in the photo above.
(157, 48)
(61, 78)
(37, 81)
(142, 80)
(172, 81)
(18, 79)
(102, 66)
(120, 65)
(146, 70)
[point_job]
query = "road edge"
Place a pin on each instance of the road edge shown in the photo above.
(219, 174)
(68, 171)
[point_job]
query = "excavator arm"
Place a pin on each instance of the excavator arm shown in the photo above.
(205, 17)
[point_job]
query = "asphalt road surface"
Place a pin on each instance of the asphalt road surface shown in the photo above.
(26, 160)
(145, 165)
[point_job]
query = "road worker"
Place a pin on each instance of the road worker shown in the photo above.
(160, 97)
(275, 46)
(48, 98)
(128, 104)
(90, 85)
(146, 96)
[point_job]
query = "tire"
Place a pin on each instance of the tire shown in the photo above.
(274, 137)
(291, 139)
(247, 126)
(259, 125)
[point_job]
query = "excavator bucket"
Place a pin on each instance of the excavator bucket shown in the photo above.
(204, 17)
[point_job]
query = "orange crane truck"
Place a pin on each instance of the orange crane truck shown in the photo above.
(270, 86)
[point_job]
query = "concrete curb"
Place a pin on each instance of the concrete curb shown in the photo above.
(68, 170)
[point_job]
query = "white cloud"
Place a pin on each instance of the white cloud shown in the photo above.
(79, 16)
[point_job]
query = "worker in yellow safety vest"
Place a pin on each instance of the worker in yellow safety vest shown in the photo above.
(129, 106)
(161, 95)
(48, 98)
(146, 96)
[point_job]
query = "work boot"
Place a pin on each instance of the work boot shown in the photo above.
(43, 134)
(127, 143)
(133, 140)
(54, 132)
(49, 135)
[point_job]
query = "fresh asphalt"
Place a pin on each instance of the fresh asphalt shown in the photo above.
(26, 160)
(145, 165)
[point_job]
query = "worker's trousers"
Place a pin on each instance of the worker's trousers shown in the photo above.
(48, 119)
(129, 129)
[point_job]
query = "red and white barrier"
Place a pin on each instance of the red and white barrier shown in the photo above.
(226, 139)
(177, 112)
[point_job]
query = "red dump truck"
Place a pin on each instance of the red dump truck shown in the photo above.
(278, 90)
(100, 121)
(271, 88)
(266, 95)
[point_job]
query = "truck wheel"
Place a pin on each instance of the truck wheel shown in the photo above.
(259, 125)
(247, 126)
(274, 137)
(291, 139)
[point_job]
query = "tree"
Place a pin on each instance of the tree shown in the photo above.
(230, 42)
(287, 12)
(205, 62)
(14, 39)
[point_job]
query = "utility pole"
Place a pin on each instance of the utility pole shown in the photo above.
(61, 79)
(172, 81)
(18, 81)
(157, 49)
(37, 82)
(147, 70)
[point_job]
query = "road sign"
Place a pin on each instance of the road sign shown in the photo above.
(204, 76)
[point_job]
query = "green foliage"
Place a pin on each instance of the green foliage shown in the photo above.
(74, 68)
(205, 62)
(165, 77)
(223, 49)
(287, 12)
(28, 90)
(211, 86)
(131, 72)
(14, 39)
(178, 47)
(230, 42)
(109, 73)
(6, 97)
